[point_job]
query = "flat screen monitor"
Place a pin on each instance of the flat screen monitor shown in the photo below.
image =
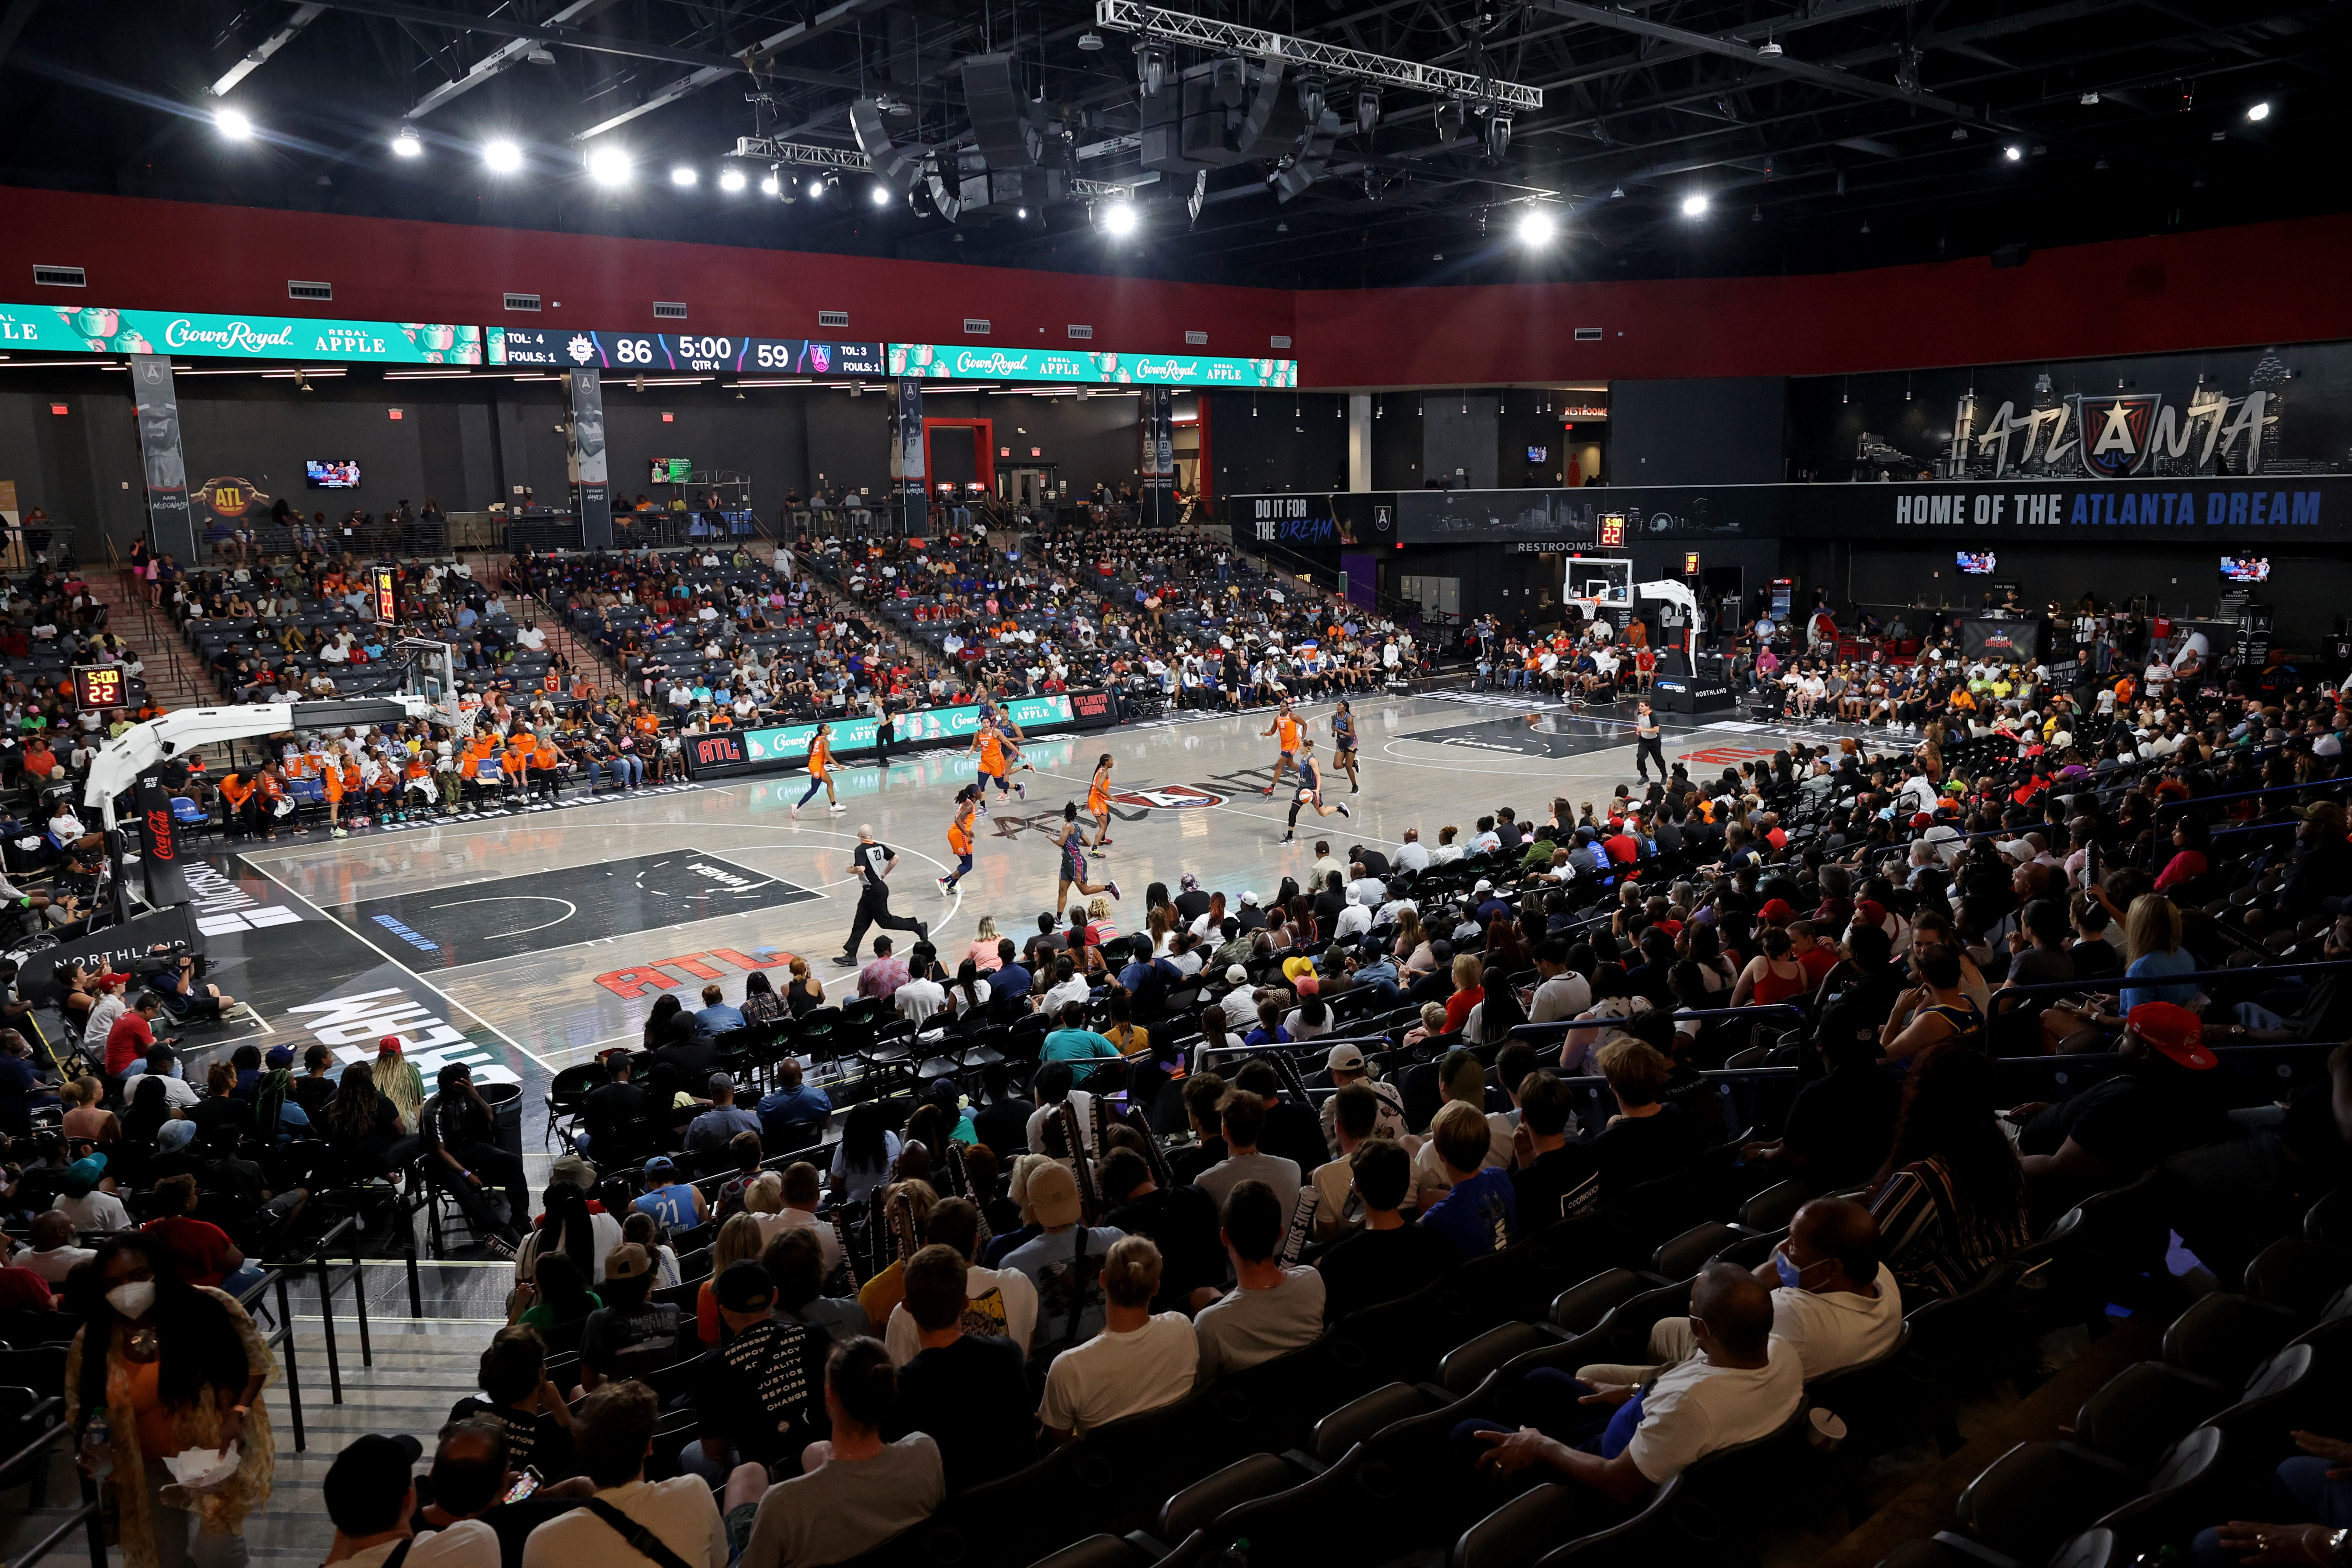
(1975, 563)
(671, 470)
(2245, 569)
(331, 476)
(1537, 454)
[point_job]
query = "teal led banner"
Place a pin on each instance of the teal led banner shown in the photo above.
(93, 329)
(953, 362)
(790, 742)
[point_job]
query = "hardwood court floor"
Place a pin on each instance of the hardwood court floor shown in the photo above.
(545, 936)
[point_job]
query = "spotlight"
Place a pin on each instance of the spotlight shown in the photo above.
(683, 176)
(407, 145)
(232, 123)
(2013, 152)
(1368, 111)
(2087, 99)
(1022, 213)
(2258, 111)
(1119, 217)
(731, 181)
(769, 186)
(879, 195)
(609, 166)
(503, 157)
(1537, 228)
(1090, 42)
(1770, 49)
(1694, 206)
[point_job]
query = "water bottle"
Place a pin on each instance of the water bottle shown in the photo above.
(97, 1437)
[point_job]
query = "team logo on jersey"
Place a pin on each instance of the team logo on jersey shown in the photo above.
(1170, 797)
(2115, 431)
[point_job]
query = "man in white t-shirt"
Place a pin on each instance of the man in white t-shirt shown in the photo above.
(1411, 855)
(370, 1495)
(1743, 1383)
(1834, 1303)
(1141, 1361)
(1270, 1308)
(1562, 992)
(611, 1437)
(1002, 1301)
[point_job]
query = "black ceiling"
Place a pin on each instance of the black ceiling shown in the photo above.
(1878, 135)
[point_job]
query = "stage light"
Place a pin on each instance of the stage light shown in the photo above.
(232, 123)
(1694, 205)
(1537, 228)
(503, 157)
(407, 145)
(2013, 152)
(2258, 111)
(1119, 217)
(879, 195)
(609, 166)
(683, 176)
(771, 186)
(731, 179)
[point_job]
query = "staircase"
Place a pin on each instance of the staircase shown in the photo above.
(175, 677)
(582, 655)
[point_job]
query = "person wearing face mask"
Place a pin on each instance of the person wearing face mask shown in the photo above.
(161, 1368)
(1834, 1303)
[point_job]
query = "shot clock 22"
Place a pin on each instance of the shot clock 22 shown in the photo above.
(99, 685)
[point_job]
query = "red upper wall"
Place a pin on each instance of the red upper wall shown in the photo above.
(154, 255)
(2259, 284)
(2263, 283)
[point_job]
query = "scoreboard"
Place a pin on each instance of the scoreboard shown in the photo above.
(100, 686)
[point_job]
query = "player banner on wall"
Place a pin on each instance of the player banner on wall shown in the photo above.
(158, 408)
(590, 464)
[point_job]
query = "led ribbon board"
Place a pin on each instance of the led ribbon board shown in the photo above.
(953, 362)
(560, 348)
(95, 329)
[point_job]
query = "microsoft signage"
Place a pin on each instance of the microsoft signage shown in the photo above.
(91, 329)
(950, 362)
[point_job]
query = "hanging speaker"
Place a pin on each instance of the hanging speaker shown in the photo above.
(899, 166)
(1002, 127)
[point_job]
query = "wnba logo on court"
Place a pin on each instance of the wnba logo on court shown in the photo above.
(1170, 797)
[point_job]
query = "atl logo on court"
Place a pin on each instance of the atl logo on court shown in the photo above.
(1170, 797)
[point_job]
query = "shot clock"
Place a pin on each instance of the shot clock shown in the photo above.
(99, 685)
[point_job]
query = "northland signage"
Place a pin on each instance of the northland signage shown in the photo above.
(94, 328)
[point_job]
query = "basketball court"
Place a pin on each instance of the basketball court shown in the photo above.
(522, 944)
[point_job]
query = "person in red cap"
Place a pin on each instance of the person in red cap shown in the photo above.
(397, 1080)
(2113, 1131)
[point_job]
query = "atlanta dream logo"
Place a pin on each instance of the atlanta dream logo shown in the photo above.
(1170, 797)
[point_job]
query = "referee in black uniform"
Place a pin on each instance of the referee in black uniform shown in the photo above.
(871, 863)
(1647, 736)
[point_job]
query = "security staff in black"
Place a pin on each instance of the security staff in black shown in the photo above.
(870, 864)
(1649, 744)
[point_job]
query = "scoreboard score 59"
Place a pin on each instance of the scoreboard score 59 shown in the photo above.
(100, 686)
